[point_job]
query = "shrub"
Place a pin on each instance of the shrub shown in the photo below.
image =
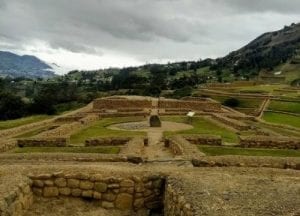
(231, 102)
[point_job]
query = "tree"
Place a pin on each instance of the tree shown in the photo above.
(11, 106)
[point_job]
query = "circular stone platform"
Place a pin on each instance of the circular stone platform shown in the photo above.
(144, 126)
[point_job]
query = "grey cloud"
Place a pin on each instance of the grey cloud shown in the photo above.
(146, 30)
(280, 6)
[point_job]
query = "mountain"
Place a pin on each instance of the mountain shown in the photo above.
(265, 53)
(23, 66)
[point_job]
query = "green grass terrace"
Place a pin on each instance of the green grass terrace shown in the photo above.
(279, 118)
(99, 129)
(22, 121)
(202, 126)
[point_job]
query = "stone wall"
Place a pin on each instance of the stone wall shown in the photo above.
(190, 105)
(6, 145)
(269, 142)
(112, 192)
(175, 203)
(40, 142)
(204, 139)
(119, 104)
(65, 130)
(180, 146)
(16, 202)
(239, 125)
(248, 161)
(107, 141)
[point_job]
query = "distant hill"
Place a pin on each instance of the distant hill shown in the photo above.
(23, 66)
(266, 53)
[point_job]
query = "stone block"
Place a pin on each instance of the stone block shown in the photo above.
(124, 201)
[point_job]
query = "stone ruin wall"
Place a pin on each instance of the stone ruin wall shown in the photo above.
(236, 124)
(112, 192)
(108, 141)
(16, 202)
(190, 105)
(175, 202)
(269, 142)
(48, 142)
(204, 139)
(119, 104)
(6, 145)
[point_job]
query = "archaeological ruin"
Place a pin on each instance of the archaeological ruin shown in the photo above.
(132, 155)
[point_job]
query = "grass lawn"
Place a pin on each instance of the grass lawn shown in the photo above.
(279, 118)
(99, 150)
(202, 126)
(22, 121)
(99, 129)
(215, 151)
(292, 107)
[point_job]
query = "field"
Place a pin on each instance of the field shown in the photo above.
(22, 121)
(99, 129)
(202, 126)
(280, 118)
(216, 151)
(293, 107)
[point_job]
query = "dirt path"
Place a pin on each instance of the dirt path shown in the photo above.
(264, 107)
(156, 148)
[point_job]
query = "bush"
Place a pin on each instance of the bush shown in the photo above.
(11, 106)
(231, 102)
(183, 92)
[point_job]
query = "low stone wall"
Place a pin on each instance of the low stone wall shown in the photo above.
(112, 192)
(204, 139)
(67, 129)
(180, 146)
(175, 203)
(16, 202)
(40, 142)
(24, 128)
(269, 142)
(68, 119)
(114, 103)
(123, 114)
(231, 122)
(247, 161)
(108, 141)
(190, 105)
(6, 145)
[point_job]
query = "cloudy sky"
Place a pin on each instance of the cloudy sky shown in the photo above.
(90, 34)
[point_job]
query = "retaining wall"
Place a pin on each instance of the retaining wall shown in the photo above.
(6, 145)
(17, 201)
(121, 104)
(231, 122)
(112, 192)
(190, 105)
(204, 139)
(109, 141)
(269, 142)
(175, 203)
(40, 142)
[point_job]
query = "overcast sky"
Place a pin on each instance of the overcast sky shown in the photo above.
(91, 34)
